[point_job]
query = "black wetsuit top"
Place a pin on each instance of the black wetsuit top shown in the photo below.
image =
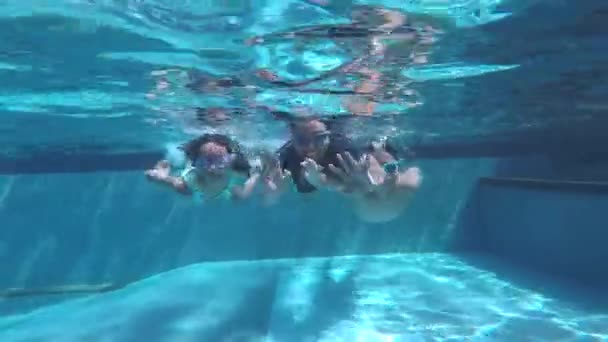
(291, 160)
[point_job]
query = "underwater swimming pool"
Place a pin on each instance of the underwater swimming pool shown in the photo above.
(504, 240)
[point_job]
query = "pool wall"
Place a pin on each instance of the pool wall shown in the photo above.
(545, 214)
(116, 226)
(559, 228)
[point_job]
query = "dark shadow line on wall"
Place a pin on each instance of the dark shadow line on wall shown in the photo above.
(547, 184)
(79, 163)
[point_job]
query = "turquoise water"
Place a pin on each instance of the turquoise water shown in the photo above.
(507, 93)
(96, 91)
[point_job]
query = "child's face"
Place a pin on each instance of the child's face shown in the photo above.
(213, 159)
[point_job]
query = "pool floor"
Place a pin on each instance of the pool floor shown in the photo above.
(396, 297)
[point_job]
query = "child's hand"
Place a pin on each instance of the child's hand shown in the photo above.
(160, 172)
(273, 175)
(313, 172)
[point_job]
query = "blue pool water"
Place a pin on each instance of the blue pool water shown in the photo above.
(504, 241)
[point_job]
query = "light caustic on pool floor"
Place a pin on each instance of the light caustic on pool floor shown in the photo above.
(411, 297)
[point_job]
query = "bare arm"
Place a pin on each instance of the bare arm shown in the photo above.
(176, 183)
(241, 192)
(161, 173)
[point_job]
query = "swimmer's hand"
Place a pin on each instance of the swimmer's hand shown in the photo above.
(160, 172)
(241, 192)
(353, 173)
(275, 178)
(313, 172)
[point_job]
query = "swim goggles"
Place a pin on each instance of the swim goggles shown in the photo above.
(214, 162)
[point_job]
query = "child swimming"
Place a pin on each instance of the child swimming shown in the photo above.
(216, 169)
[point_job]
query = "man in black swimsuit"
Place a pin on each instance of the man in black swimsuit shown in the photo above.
(316, 158)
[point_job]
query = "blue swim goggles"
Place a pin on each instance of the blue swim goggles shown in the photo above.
(214, 162)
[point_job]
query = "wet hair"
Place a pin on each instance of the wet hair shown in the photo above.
(239, 164)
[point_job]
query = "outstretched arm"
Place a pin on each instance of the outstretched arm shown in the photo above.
(176, 183)
(161, 173)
